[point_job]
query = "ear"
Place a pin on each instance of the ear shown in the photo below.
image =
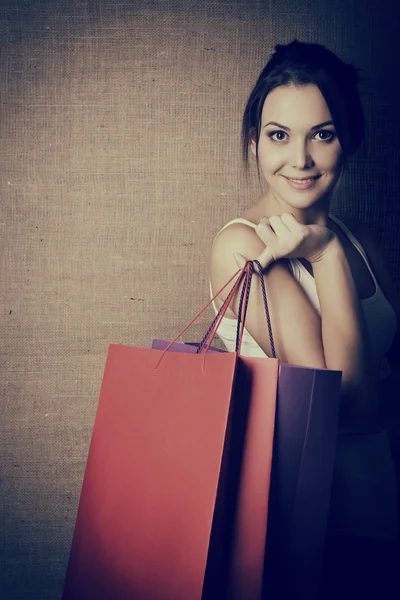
(252, 141)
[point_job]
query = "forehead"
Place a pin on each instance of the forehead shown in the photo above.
(296, 106)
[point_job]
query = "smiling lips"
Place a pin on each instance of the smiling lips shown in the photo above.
(303, 180)
(302, 184)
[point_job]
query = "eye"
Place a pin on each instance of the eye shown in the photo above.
(277, 133)
(327, 136)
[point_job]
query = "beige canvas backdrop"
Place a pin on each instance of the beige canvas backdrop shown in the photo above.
(120, 160)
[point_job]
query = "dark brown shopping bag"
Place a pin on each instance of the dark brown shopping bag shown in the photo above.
(156, 507)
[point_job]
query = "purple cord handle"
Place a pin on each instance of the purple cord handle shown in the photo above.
(264, 293)
(245, 290)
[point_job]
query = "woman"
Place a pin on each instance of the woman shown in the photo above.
(331, 298)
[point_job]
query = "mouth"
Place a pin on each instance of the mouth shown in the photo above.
(302, 184)
(303, 179)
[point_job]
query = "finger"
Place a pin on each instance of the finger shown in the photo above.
(264, 231)
(278, 225)
(291, 222)
(240, 260)
(264, 222)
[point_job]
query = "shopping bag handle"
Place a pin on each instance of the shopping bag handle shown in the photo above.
(246, 272)
(266, 308)
(245, 294)
(221, 312)
(240, 273)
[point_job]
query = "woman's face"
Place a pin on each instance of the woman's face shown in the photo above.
(298, 142)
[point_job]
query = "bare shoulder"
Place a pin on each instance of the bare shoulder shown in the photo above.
(238, 238)
(372, 247)
(382, 272)
(364, 235)
(368, 239)
(356, 226)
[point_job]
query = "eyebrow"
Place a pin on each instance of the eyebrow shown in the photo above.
(288, 129)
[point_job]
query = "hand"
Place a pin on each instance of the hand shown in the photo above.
(285, 237)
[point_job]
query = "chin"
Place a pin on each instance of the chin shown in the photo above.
(301, 201)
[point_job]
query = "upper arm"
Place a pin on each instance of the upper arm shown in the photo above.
(296, 325)
(382, 273)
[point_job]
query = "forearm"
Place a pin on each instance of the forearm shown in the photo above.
(344, 332)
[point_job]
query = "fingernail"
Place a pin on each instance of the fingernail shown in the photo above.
(240, 260)
(264, 220)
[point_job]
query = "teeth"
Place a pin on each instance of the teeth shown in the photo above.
(302, 180)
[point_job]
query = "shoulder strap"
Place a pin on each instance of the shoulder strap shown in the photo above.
(239, 220)
(348, 234)
(355, 243)
(234, 221)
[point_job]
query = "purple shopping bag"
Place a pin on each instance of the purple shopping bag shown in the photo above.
(302, 468)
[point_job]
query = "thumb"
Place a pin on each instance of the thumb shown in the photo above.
(240, 260)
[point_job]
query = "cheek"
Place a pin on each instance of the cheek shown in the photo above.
(271, 166)
(270, 159)
(329, 157)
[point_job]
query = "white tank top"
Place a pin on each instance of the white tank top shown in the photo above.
(364, 488)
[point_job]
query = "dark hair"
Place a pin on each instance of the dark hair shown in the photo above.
(301, 63)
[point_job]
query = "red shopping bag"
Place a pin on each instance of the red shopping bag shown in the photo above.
(157, 516)
(254, 404)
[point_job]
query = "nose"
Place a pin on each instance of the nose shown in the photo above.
(301, 157)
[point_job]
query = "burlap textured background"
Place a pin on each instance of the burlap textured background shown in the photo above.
(119, 162)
